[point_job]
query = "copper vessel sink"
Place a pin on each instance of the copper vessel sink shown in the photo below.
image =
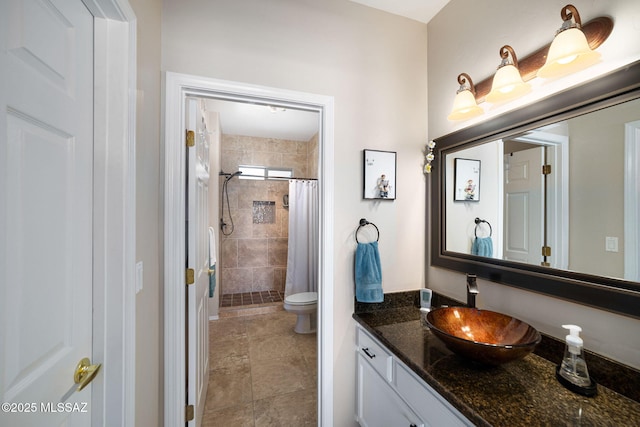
(483, 336)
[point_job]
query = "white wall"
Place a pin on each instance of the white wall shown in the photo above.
(473, 48)
(591, 136)
(374, 64)
(148, 216)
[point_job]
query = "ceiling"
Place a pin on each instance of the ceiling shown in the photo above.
(244, 118)
(248, 119)
(418, 10)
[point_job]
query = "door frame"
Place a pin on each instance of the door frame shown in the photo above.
(114, 320)
(631, 202)
(558, 191)
(177, 88)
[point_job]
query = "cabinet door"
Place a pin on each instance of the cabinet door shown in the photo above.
(430, 406)
(378, 403)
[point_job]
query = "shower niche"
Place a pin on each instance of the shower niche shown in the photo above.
(264, 212)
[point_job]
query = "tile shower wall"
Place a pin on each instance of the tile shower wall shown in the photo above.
(254, 257)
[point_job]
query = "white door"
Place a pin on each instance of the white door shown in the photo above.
(197, 260)
(524, 206)
(46, 201)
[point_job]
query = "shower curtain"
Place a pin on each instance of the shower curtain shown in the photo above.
(302, 258)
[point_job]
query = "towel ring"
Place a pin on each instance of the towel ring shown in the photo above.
(478, 221)
(364, 222)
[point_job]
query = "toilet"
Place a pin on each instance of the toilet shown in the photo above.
(305, 305)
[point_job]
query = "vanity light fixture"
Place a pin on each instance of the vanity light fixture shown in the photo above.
(570, 50)
(507, 82)
(464, 105)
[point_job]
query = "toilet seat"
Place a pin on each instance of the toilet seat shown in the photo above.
(302, 298)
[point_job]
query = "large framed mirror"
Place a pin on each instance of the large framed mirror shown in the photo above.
(560, 196)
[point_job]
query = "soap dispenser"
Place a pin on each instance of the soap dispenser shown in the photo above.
(572, 372)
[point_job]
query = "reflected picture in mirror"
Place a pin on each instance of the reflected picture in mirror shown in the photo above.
(467, 181)
(379, 175)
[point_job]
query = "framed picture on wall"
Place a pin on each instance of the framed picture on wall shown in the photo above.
(467, 180)
(379, 175)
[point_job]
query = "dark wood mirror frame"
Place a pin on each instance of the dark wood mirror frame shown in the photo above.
(615, 295)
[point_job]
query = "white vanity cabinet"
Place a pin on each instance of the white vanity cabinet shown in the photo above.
(378, 403)
(390, 394)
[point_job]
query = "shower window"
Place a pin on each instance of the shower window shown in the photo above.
(279, 173)
(263, 172)
(252, 172)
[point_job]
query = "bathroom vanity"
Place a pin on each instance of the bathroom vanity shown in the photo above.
(391, 394)
(407, 377)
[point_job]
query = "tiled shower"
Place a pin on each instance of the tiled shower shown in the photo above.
(253, 259)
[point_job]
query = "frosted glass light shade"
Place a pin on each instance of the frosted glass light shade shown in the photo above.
(507, 85)
(569, 52)
(464, 106)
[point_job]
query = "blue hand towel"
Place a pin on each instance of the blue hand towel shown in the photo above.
(482, 246)
(368, 273)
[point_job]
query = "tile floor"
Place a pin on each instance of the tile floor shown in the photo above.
(262, 373)
(251, 298)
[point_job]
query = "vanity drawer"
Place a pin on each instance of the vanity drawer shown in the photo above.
(431, 408)
(379, 358)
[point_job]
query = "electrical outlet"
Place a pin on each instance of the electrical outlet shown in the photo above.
(611, 244)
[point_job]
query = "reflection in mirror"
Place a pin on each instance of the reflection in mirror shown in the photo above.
(564, 195)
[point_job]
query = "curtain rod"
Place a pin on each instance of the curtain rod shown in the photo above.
(276, 178)
(279, 178)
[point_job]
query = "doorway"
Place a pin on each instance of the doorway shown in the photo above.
(632, 203)
(178, 87)
(256, 150)
(554, 200)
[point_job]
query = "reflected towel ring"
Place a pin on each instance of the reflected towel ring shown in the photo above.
(478, 221)
(364, 222)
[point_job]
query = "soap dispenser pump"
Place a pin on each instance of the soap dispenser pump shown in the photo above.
(572, 372)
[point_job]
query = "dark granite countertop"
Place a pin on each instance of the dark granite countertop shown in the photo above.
(521, 393)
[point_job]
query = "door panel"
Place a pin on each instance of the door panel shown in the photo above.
(523, 206)
(49, 56)
(46, 200)
(198, 259)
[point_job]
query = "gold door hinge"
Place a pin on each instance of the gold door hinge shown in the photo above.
(191, 138)
(190, 276)
(546, 169)
(189, 413)
(546, 251)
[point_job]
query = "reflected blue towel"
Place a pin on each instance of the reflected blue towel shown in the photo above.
(368, 273)
(482, 246)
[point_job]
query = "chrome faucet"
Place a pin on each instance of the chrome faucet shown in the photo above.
(472, 290)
